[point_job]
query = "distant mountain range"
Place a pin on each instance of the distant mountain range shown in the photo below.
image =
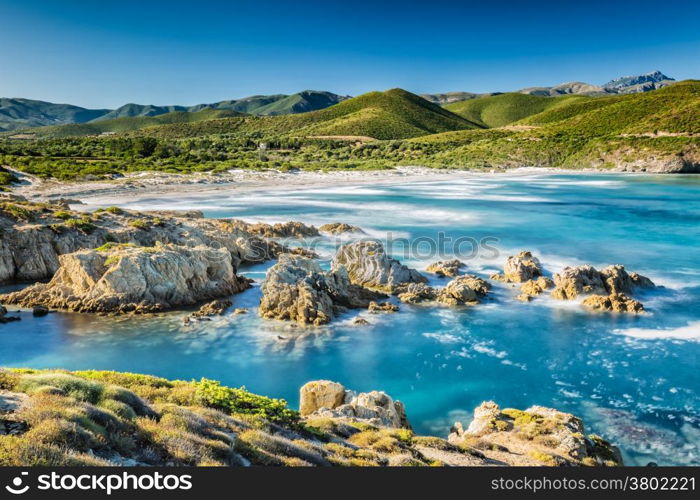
(17, 113)
(624, 85)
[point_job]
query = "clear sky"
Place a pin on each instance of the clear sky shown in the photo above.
(107, 53)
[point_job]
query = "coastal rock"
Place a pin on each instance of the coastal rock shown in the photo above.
(612, 280)
(574, 281)
(368, 265)
(538, 436)
(360, 322)
(465, 289)
(35, 235)
(320, 394)
(214, 308)
(328, 399)
(340, 228)
(291, 229)
(532, 288)
(449, 268)
(134, 279)
(616, 302)
(375, 307)
(415, 293)
(521, 267)
(297, 289)
(4, 318)
(40, 310)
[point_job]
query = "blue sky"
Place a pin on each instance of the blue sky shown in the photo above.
(104, 54)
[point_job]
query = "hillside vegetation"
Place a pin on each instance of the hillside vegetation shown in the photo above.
(657, 131)
(503, 109)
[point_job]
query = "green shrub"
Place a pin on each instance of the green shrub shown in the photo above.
(212, 393)
(80, 389)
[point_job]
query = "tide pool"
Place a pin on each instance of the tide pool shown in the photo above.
(633, 379)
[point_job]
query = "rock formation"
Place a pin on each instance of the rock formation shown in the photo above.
(291, 229)
(375, 307)
(340, 228)
(467, 289)
(35, 235)
(520, 268)
(297, 289)
(134, 279)
(533, 288)
(536, 436)
(4, 318)
(368, 265)
(449, 268)
(616, 302)
(323, 398)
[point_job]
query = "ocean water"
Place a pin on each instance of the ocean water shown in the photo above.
(633, 379)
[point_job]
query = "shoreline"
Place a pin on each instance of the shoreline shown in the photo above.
(138, 185)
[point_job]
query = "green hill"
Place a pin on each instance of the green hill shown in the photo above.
(22, 113)
(394, 114)
(130, 123)
(131, 110)
(503, 109)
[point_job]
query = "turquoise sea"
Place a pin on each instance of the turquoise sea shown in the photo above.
(633, 379)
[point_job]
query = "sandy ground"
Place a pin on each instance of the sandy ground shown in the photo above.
(137, 185)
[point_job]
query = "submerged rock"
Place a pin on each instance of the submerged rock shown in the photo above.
(536, 436)
(323, 398)
(214, 308)
(340, 228)
(297, 289)
(4, 318)
(449, 268)
(375, 307)
(134, 279)
(616, 302)
(368, 265)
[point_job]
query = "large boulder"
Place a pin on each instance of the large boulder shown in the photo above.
(586, 280)
(297, 289)
(134, 279)
(320, 394)
(574, 281)
(467, 289)
(444, 268)
(328, 399)
(520, 268)
(368, 265)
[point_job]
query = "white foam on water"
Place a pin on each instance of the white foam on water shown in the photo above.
(444, 338)
(690, 332)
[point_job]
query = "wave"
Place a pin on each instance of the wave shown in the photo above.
(690, 332)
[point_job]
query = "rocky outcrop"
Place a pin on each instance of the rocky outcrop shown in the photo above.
(467, 289)
(134, 279)
(368, 265)
(340, 228)
(377, 307)
(449, 268)
(608, 287)
(327, 399)
(291, 229)
(35, 235)
(297, 289)
(521, 267)
(615, 302)
(214, 308)
(533, 288)
(536, 436)
(4, 318)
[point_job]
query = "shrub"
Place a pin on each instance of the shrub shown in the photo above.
(83, 224)
(212, 393)
(78, 388)
(139, 224)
